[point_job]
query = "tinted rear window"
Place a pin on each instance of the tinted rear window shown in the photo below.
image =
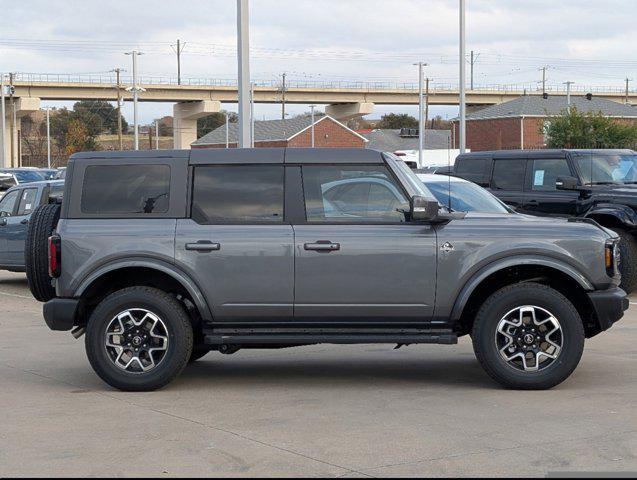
(126, 189)
(242, 194)
(508, 175)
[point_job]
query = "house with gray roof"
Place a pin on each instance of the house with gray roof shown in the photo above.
(518, 123)
(291, 132)
(392, 140)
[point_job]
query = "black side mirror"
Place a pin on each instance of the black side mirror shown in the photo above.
(566, 183)
(422, 209)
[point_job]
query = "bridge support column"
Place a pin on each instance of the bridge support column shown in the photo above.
(185, 117)
(23, 107)
(346, 111)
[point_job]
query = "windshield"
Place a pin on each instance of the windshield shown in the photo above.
(606, 168)
(466, 197)
(26, 176)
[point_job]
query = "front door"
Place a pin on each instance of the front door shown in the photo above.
(8, 206)
(357, 259)
(17, 226)
(543, 198)
(236, 245)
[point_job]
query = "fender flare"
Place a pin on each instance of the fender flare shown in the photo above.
(476, 279)
(155, 264)
(623, 213)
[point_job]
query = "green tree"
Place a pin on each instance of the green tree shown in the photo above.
(572, 129)
(213, 121)
(78, 138)
(397, 120)
(98, 116)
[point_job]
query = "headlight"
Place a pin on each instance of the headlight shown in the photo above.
(612, 257)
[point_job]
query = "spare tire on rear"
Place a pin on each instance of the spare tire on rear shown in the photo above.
(44, 219)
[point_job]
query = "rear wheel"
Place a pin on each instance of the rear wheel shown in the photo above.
(627, 259)
(139, 339)
(43, 221)
(528, 336)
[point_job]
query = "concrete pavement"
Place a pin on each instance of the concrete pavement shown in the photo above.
(338, 411)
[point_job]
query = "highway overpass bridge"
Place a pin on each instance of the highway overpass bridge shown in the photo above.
(195, 98)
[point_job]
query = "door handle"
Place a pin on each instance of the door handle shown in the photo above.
(24, 222)
(322, 246)
(203, 246)
(533, 203)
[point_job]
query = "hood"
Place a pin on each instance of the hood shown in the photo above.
(530, 225)
(621, 194)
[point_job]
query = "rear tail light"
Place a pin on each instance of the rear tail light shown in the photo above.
(55, 256)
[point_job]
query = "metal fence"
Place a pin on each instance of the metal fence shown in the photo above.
(108, 78)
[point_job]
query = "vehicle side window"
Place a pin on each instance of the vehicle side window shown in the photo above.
(7, 204)
(27, 201)
(238, 194)
(126, 189)
(508, 175)
(546, 171)
(473, 169)
(352, 194)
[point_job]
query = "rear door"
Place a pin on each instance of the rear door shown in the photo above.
(357, 259)
(237, 244)
(8, 206)
(542, 197)
(17, 226)
(507, 180)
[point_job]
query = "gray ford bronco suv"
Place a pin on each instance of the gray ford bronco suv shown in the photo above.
(161, 257)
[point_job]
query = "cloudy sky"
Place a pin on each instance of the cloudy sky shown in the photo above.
(589, 42)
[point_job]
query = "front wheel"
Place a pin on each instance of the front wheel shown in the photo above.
(528, 336)
(138, 339)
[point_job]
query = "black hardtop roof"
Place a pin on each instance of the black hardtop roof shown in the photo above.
(541, 153)
(201, 156)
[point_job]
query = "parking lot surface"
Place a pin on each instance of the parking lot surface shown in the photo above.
(338, 411)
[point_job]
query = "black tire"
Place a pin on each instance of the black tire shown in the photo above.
(43, 221)
(628, 260)
(198, 351)
(178, 331)
(509, 298)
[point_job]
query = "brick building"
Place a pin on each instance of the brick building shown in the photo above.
(518, 124)
(291, 132)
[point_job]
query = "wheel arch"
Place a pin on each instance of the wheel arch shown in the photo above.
(121, 274)
(558, 275)
(613, 215)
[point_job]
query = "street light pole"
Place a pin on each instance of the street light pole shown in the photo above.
(421, 114)
(48, 138)
(251, 115)
(135, 90)
(243, 60)
(568, 95)
(463, 109)
(156, 134)
(227, 136)
(4, 122)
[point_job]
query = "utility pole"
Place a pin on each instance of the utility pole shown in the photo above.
(119, 108)
(426, 103)
(135, 90)
(283, 97)
(15, 154)
(312, 120)
(421, 114)
(628, 80)
(243, 61)
(463, 108)
(48, 138)
(472, 62)
(179, 48)
(568, 95)
(544, 80)
(156, 134)
(3, 122)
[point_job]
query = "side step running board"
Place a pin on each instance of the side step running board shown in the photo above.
(337, 338)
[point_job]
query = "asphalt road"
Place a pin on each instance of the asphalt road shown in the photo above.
(337, 411)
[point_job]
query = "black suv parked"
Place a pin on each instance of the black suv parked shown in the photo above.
(596, 184)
